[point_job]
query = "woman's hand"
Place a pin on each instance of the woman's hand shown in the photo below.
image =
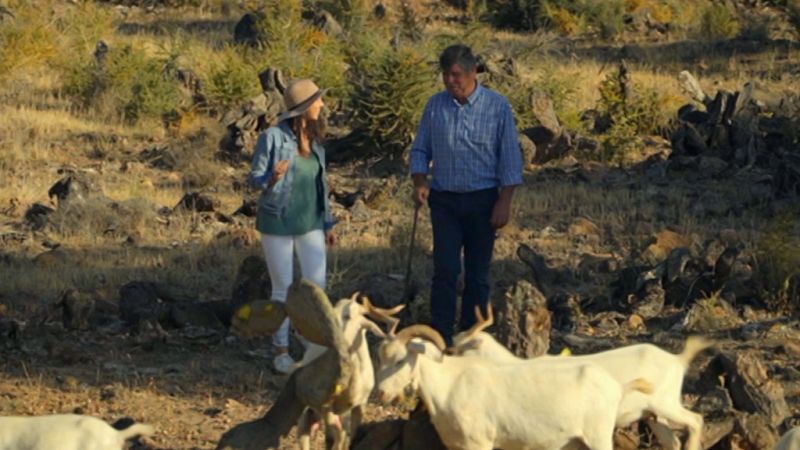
(330, 238)
(280, 170)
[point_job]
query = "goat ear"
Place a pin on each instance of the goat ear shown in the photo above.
(372, 327)
(416, 347)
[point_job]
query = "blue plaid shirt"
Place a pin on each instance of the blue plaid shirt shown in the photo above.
(468, 147)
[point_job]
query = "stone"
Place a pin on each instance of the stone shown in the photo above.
(752, 387)
(139, 301)
(664, 242)
(528, 149)
(753, 432)
(247, 31)
(77, 309)
(195, 201)
(524, 322)
(378, 436)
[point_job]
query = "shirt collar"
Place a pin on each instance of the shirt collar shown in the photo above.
(472, 97)
(284, 125)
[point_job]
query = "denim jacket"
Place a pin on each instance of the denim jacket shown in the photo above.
(276, 144)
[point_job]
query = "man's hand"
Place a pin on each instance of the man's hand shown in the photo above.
(330, 238)
(280, 170)
(421, 190)
(502, 209)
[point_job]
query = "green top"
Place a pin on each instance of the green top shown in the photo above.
(303, 213)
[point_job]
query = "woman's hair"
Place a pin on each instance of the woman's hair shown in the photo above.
(315, 129)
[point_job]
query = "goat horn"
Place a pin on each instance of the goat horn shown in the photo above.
(421, 331)
(384, 315)
(355, 295)
(384, 311)
(482, 323)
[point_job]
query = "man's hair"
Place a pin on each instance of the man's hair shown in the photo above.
(458, 54)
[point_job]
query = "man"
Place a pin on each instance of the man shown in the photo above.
(467, 139)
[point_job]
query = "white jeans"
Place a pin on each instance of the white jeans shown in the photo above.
(310, 250)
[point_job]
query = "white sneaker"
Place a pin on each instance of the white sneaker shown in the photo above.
(284, 363)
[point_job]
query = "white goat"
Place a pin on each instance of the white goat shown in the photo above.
(64, 432)
(663, 369)
(353, 319)
(790, 440)
(478, 404)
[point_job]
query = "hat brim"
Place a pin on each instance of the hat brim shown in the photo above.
(301, 107)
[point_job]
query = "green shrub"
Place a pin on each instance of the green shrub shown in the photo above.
(27, 40)
(84, 25)
(229, 79)
(516, 14)
(563, 20)
(391, 89)
(562, 89)
(793, 7)
(353, 15)
(605, 18)
(299, 49)
(518, 92)
(633, 113)
(571, 17)
(778, 257)
(717, 21)
(154, 92)
(127, 83)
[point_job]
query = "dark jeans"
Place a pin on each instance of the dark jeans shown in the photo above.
(460, 220)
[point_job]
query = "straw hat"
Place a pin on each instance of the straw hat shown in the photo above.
(298, 97)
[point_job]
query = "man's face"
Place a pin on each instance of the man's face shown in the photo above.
(459, 82)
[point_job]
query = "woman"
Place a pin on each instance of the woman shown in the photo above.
(294, 213)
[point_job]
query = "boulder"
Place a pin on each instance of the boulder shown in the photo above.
(524, 322)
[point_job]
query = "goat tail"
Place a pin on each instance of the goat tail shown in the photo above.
(137, 429)
(694, 345)
(640, 385)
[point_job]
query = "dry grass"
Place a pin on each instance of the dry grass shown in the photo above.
(38, 130)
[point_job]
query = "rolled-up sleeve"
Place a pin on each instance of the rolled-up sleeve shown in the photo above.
(261, 169)
(421, 148)
(509, 161)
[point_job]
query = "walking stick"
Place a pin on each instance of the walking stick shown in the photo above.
(408, 292)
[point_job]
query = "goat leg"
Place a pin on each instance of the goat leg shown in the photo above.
(305, 427)
(335, 435)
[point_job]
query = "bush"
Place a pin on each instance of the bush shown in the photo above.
(563, 20)
(84, 25)
(793, 7)
(633, 113)
(391, 87)
(778, 257)
(27, 40)
(571, 17)
(516, 14)
(229, 79)
(717, 21)
(301, 50)
(562, 88)
(126, 83)
(352, 14)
